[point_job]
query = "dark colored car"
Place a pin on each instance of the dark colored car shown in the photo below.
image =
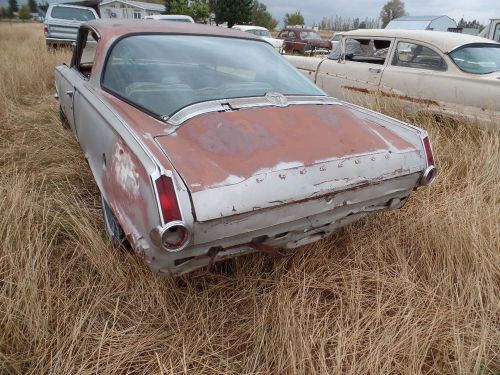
(298, 40)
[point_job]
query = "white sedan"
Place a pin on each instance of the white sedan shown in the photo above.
(262, 32)
(442, 72)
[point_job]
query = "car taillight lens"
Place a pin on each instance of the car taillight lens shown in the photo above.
(428, 151)
(168, 199)
(45, 29)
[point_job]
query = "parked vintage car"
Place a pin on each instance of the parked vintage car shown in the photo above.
(62, 22)
(491, 30)
(446, 73)
(201, 155)
(303, 41)
(262, 32)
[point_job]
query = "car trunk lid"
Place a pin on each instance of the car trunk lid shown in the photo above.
(240, 161)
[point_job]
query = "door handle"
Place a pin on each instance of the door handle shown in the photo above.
(70, 93)
(374, 70)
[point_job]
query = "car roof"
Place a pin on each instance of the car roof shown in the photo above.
(111, 28)
(297, 29)
(445, 41)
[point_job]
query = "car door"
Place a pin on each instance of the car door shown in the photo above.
(75, 75)
(419, 74)
(354, 69)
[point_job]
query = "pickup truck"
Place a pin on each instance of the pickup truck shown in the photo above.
(63, 21)
(492, 30)
(448, 74)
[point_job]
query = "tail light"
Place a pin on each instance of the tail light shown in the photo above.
(428, 151)
(430, 173)
(174, 235)
(168, 199)
(45, 29)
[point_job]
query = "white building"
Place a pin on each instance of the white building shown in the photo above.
(436, 23)
(129, 9)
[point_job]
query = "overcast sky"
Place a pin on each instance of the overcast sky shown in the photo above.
(314, 10)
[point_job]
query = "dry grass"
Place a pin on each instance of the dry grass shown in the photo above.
(414, 291)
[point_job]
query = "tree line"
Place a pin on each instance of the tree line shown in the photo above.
(231, 11)
(23, 12)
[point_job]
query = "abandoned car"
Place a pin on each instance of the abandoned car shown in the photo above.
(200, 155)
(303, 41)
(445, 73)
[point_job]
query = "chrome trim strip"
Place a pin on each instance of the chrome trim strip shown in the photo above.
(224, 105)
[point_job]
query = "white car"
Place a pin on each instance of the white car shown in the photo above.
(262, 32)
(446, 73)
(170, 17)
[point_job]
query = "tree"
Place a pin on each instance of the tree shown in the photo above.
(12, 8)
(177, 7)
(232, 11)
(3, 12)
(261, 17)
(200, 10)
(293, 19)
(24, 13)
(33, 6)
(391, 10)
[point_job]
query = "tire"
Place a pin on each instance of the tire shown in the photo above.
(64, 120)
(113, 228)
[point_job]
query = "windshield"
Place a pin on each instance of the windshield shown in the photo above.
(307, 35)
(259, 32)
(164, 73)
(478, 59)
(75, 14)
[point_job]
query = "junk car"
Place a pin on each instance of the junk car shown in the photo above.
(440, 72)
(202, 155)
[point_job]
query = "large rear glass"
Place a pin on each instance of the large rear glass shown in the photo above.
(75, 14)
(164, 73)
(478, 59)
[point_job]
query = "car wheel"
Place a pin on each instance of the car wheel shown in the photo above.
(113, 227)
(64, 120)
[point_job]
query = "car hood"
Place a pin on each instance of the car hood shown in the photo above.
(245, 155)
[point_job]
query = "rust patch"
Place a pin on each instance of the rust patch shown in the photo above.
(410, 99)
(390, 95)
(357, 89)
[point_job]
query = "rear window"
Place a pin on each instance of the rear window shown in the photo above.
(477, 59)
(75, 14)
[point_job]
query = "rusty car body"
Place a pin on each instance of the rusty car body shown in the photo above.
(303, 41)
(445, 73)
(200, 155)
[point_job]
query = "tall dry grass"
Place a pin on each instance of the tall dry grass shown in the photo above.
(412, 291)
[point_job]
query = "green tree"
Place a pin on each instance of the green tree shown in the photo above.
(24, 13)
(200, 11)
(232, 11)
(261, 17)
(3, 12)
(33, 6)
(391, 10)
(12, 8)
(293, 19)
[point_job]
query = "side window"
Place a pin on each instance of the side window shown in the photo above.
(412, 55)
(371, 51)
(496, 35)
(85, 52)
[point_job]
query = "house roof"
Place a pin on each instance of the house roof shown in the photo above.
(137, 4)
(445, 41)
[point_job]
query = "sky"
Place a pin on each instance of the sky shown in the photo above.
(314, 10)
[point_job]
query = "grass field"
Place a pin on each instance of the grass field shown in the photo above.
(406, 292)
